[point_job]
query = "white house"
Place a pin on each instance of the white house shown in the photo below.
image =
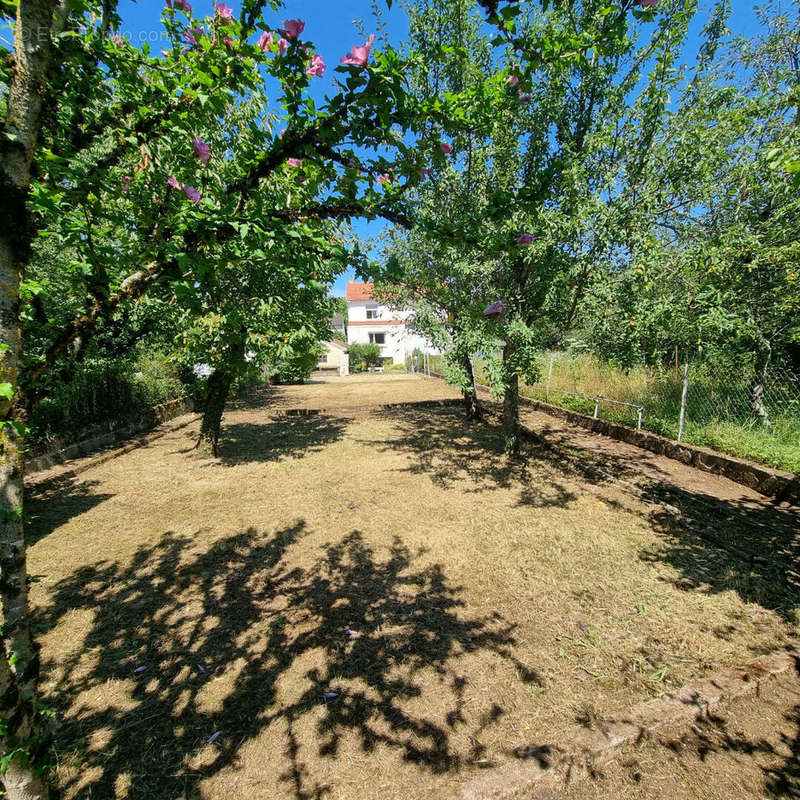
(371, 322)
(334, 352)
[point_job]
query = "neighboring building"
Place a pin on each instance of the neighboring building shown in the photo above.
(371, 322)
(334, 350)
(338, 326)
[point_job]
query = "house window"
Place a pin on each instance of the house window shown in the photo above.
(377, 338)
(372, 313)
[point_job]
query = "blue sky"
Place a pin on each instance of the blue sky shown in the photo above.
(334, 27)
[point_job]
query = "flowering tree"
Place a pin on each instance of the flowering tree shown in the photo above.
(537, 181)
(121, 143)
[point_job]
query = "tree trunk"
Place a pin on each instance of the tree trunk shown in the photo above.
(219, 387)
(19, 664)
(511, 407)
(472, 406)
(756, 399)
(19, 782)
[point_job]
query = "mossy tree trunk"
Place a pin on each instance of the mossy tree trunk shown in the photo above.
(219, 387)
(472, 406)
(217, 393)
(19, 665)
(511, 406)
(757, 402)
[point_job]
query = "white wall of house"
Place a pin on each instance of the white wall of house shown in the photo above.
(372, 322)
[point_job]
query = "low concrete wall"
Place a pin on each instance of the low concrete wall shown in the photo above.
(769, 482)
(545, 770)
(62, 451)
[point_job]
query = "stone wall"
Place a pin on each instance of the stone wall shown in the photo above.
(767, 481)
(91, 440)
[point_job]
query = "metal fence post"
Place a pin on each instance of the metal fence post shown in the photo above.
(684, 395)
(549, 379)
(596, 407)
(639, 418)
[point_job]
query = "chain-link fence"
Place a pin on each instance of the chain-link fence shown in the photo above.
(723, 407)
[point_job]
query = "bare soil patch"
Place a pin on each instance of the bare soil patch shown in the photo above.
(365, 605)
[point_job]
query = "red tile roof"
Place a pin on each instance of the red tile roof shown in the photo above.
(359, 291)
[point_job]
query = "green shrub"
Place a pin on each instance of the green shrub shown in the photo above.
(364, 356)
(396, 368)
(101, 391)
(297, 367)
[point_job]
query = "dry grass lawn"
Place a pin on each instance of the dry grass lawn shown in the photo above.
(745, 749)
(332, 392)
(363, 605)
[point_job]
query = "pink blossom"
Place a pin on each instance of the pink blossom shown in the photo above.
(513, 80)
(651, 3)
(264, 41)
(201, 149)
(223, 11)
(280, 135)
(118, 40)
(192, 193)
(174, 183)
(359, 55)
(228, 42)
(425, 172)
(292, 28)
(283, 46)
(446, 147)
(183, 5)
(383, 178)
(190, 36)
(494, 309)
(294, 162)
(317, 66)
(526, 238)
(126, 182)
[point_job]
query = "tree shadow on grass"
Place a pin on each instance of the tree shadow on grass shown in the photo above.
(718, 733)
(763, 735)
(723, 545)
(235, 642)
(274, 440)
(458, 454)
(51, 504)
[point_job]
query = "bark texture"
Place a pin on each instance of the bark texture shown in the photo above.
(511, 408)
(472, 406)
(217, 393)
(19, 667)
(756, 399)
(219, 387)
